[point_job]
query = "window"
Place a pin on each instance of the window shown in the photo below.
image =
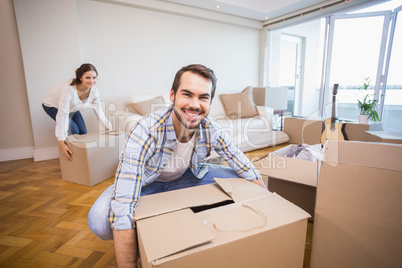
(355, 51)
(309, 58)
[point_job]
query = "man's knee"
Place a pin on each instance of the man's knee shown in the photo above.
(99, 224)
(98, 216)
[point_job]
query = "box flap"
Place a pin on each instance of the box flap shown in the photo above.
(283, 150)
(92, 140)
(156, 204)
(241, 189)
(89, 140)
(378, 155)
(314, 149)
(171, 233)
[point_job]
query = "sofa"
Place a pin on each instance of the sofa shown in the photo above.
(249, 126)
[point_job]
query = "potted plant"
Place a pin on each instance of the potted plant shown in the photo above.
(367, 105)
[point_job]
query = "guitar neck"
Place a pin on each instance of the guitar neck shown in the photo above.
(333, 109)
(334, 92)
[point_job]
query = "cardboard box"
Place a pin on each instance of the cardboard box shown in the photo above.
(95, 157)
(243, 226)
(357, 132)
(292, 178)
(302, 130)
(358, 214)
(384, 136)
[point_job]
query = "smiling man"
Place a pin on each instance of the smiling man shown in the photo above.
(165, 151)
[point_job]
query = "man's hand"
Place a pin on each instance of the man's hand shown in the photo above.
(66, 151)
(260, 183)
(125, 248)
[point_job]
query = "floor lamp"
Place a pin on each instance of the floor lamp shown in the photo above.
(277, 98)
(274, 97)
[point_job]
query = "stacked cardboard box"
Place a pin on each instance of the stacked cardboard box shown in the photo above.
(357, 132)
(358, 215)
(303, 130)
(384, 136)
(308, 130)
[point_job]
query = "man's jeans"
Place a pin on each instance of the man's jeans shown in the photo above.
(98, 215)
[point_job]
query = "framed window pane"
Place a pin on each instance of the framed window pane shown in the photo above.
(355, 57)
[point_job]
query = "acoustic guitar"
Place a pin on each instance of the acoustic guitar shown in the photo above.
(333, 130)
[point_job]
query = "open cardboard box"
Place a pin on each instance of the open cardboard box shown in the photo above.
(277, 165)
(231, 223)
(294, 179)
(358, 215)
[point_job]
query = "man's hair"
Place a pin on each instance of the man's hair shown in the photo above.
(197, 69)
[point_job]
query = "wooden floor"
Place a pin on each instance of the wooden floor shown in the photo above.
(43, 219)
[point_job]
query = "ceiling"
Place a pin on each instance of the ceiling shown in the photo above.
(259, 10)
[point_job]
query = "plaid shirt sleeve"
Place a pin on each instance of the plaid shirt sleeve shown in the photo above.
(233, 155)
(129, 177)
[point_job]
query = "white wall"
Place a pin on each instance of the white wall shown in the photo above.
(138, 50)
(135, 50)
(16, 137)
(50, 49)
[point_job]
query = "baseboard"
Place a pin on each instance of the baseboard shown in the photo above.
(29, 152)
(46, 154)
(16, 154)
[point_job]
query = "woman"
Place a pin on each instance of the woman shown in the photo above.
(63, 103)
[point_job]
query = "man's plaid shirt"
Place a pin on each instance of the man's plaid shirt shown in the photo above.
(148, 148)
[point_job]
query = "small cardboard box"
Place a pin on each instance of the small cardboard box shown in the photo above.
(384, 136)
(95, 157)
(358, 211)
(277, 165)
(302, 130)
(292, 178)
(243, 226)
(357, 132)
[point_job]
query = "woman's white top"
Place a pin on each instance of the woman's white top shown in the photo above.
(65, 98)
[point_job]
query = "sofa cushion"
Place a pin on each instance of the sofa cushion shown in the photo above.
(217, 110)
(239, 105)
(146, 107)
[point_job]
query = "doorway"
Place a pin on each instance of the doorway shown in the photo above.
(290, 70)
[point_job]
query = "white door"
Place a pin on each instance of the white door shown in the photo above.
(290, 67)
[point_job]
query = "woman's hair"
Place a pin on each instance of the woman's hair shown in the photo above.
(80, 72)
(197, 69)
